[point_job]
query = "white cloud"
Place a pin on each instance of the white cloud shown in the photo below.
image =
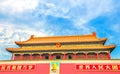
(93, 9)
(19, 6)
(79, 11)
(4, 55)
(115, 28)
(10, 33)
(63, 8)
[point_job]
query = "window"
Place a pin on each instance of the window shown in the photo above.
(91, 55)
(26, 57)
(36, 56)
(17, 57)
(58, 57)
(46, 57)
(69, 57)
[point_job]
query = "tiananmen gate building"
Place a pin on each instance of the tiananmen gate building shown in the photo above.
(86, 54)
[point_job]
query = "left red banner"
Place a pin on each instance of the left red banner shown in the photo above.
(17, 67)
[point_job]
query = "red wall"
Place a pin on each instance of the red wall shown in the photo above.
(65, 68)
(70, 69)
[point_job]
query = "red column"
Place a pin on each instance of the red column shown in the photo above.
(14, 57)
(86, 56)
(97, 56)
(74, 55)
(64, 56)
(109, 55)
(40, 56)
(21, 56)
(53, 56)
(31, 57)
(49, 56)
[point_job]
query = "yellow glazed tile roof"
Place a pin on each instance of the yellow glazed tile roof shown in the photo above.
(55, 39)
(110, 47)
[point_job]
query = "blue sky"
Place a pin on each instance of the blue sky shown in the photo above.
(22, 18)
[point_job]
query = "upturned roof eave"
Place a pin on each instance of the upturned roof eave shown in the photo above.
(53, 38)
(26, 42)
(110, 47)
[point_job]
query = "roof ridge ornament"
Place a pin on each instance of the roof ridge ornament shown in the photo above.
(94, 33)
(32, 36)
(58, 45)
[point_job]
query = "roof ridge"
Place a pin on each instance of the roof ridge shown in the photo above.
(85, 35)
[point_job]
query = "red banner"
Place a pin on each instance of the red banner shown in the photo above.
(97, 67)
(15, 67)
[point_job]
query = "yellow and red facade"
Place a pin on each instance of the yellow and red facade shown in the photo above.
(71, 54)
